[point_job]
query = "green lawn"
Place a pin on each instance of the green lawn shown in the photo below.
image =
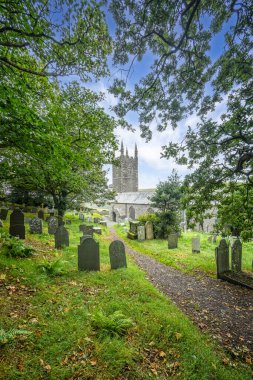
(182, 258)
(97, 325)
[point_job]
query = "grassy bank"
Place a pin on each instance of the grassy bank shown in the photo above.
(105, 325)
(182, 257)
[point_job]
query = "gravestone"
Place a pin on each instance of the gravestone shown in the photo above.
(41, 214)
(1, 223)
(17, 226)
(141, 233)
(96, 220)
(52, 225)
(88, 255)
(81, 217)
(87, 230)
(172, 240)
(60, 221)
(195, 245)
(61, 237)
(4, 213)
(117, 255)
(82, 227)
(103, 223)
(222, 257)
(89, 219)
(35, 226)
(237, 256)
(149, 229)
(82, 238)
(97, 230)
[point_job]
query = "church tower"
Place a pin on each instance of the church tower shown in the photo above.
(125, 176)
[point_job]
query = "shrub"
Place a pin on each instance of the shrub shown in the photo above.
(115, 324)
(149, 218)
(14, 247)
(246, 235)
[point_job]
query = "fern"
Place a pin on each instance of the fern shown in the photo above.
(8, 336)
(114, 324)
(53, 268)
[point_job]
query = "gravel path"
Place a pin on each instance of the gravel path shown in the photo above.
(224, 310)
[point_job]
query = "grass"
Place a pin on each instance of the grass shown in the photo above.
(97, 325)
(182, 257)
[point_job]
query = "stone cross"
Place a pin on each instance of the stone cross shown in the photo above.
(17, 225)
(35, 226)
(222, 257)
(172, 240)
(149, 230)
(195, 245)
(88, 255)
(52, 225)
(237, 256)
(141, 233)
(117, 255)
(41, 214)
(61, 237)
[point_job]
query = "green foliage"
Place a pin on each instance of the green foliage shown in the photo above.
(14, 247)
(96, 215)
(168, 222)
(148, 218)
(115, 324)
(10, 335)
(53, 268)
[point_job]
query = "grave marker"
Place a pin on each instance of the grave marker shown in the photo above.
(222, 257)
(88, 255)
(61, 237)
(149, 230)
(17, 226)
(195, 245)
(35, 226)
(172, 240)
(41, 214)
(141, 233)
(117, 255)
(52, 225)
(4, 213)
(237, 256)
(81, 217)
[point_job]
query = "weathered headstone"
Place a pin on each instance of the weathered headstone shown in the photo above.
(237, 256)
(222, 257)
(82, 238)
(52, 225)
(81, 217)
(172, 240)
(41, 214)
(141, 233)
(35, 226)
(97, 230)
(4, 213)
(117, 255)
(96, 220)
(149, 230)
(88, 255)
(61, 237)
(82, 227)
(89, 219)
(17, 226)
(195, 245)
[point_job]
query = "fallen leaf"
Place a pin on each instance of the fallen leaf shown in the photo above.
(2, 276)
(178, 335)
(162, 354)
(93, 362)
(45, 366)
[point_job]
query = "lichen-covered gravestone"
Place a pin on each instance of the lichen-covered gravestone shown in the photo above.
(4, 213)
(52, 225)
(117, 255)
(35, 226)
(88, 255)
(172, 240)
(195, 245)
(17, 226)
(149, 230)
(61, 237)
(237, 256)
(86, 230)
(41, 214)
(141, 233)
(222, 257)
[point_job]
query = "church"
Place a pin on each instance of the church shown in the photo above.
(130, 202)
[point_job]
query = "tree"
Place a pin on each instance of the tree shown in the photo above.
(167, 199)
(53, 38)
(202, 55)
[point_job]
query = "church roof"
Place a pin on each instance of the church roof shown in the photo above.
(137, 197)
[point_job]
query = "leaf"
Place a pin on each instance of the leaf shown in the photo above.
(178, 335)
(2, 276)
(45, 366)
(162, 354)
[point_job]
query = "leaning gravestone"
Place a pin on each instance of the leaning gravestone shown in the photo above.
(61, 237)
(222, 257)
(172, 240)
(81, 217)
(88, 255)
(41, 214)
(4, 213)
(117, 255)
(17, 226)
(195, 245)
(35, 226)
(237, 256)
(149, 230)
(141, 233)
(52, 225)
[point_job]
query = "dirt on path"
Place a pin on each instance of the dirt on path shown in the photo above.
(222, 309)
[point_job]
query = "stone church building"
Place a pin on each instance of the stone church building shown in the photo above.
(129, 201)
